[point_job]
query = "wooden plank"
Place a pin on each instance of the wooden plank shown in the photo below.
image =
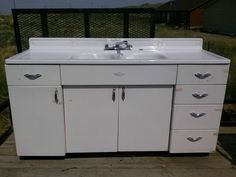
(227, 130)
(8, 147)
(74, 172)
(213, 165)
(208, 162)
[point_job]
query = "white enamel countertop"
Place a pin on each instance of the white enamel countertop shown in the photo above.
(91, 51)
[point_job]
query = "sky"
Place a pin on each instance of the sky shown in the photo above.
(6, 5)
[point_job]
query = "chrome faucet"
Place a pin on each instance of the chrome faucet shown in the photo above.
(121, 45)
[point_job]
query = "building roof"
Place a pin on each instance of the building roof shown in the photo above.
(182, 5)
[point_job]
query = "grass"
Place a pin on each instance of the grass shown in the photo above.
(4, 121)
(7, 48)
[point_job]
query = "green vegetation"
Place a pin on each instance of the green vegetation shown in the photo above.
(7, 48)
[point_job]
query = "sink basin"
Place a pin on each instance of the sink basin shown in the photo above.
(146, 55)
(97, 56)
(111, 55)
(108, 55)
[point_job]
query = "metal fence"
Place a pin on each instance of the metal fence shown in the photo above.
(120, 23)
(3, 106)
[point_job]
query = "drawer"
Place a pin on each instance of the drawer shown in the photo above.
(202, 74)
(199, 94)
(33, 74)
(190, 141)
(118, 74)
(196, 116)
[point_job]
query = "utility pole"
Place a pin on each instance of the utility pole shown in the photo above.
(14, 3)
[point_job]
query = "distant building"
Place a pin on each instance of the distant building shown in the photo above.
(220, 17)
(182, 12)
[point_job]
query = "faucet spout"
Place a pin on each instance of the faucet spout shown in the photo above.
(120, 45)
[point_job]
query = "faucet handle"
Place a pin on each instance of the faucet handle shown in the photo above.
(106, 47)
(129, 46)
(121, 42)
(125, 42)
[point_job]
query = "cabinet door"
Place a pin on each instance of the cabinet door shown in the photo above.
(91, 119)
(144, 118)
(37, 113)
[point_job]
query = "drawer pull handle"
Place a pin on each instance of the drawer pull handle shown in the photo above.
(32, 76)
(195, 115)
(114, 95)
(119, 74)
(199, 96)
(202, 76)
(194, 140)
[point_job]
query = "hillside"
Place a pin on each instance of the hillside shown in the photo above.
(146, 5)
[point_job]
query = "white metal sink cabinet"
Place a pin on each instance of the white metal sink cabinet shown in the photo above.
(63, 102)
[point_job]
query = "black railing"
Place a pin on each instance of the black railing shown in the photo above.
(118, 22)
(3, 105)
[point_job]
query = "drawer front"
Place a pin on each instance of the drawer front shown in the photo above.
(202, 74)
(189, 141)
(33, 74)
(199, 94)
(118, 75)
(196, 116)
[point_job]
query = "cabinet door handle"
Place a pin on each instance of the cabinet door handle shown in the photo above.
(123, 93)
(202, 76)
(56, 96)
(32, 76)
(199, 96)
(195, 115)
(194, 140)
(114, 95)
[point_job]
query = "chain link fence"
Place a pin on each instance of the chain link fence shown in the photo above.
(97, 23)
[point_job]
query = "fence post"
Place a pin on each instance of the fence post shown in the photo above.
(44, 24)
(17, 30)
(86, 25)
(208, 45)
(3, 106)
(152, 24)
(126, 25)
